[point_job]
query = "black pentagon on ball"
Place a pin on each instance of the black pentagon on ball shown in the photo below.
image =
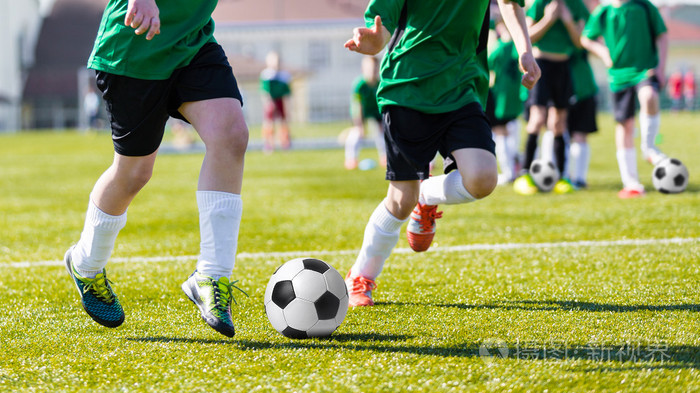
(283, 293)
(547, 181)
(327, 306)
(679, 180)
(675, 161)
(315, 265)
(660, 172)
(550, 164)
(536, 168)
(293, 333)
(664, 191)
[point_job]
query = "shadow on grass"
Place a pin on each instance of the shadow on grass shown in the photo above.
(178, 340)
(566, 305)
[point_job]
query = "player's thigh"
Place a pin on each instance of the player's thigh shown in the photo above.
(479, 170)
(402, 197)
(217, 121)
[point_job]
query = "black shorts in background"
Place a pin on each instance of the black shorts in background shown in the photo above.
(582, 116)
(625, 101)
(555, 86)
(139, 108)
(413, 138)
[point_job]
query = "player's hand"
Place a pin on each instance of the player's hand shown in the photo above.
(552, 10)
(565, 12)
(369, 41)
(531, 71)
(142, 16)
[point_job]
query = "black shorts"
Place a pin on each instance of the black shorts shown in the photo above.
(413, 138)
(491, 113)
(140, 108)
(582, 116)
(554, 87)
(625, 101)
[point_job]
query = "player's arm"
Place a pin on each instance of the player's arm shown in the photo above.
(572, 27)
(662, 47)
(597, 48)
(143, 16)
(538, 29)
(369, 41)
(514, 18)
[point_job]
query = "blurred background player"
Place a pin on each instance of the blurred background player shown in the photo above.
(505, 101)
(275, 88)
(365, 114)
(555, 29)
(434, 79)
(634, 50)
(675, 89)
(690, 90)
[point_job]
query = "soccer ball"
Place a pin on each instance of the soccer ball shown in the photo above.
(544, 174)
(670, 176)
(305, 298)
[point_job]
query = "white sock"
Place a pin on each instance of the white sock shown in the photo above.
(381, 236)
(547, 147)
(219, 220)
(91, 253)
(444, 190)
(580, 159)
(649, 128)
(352, 144)
(513, 139)
(627, 162)
(506, 160)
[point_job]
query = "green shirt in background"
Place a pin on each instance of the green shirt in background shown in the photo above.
(630, 32)
(364, 98)
(582, 75)
(186, 25)
(506, 89)
(275, 83)
(556, 39)
(434, 67)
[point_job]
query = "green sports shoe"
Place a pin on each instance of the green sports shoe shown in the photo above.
(213, 299)
(564, 186)
(524, 185)
(97, 296)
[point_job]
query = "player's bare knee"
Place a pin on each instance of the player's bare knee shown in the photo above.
(482, 184)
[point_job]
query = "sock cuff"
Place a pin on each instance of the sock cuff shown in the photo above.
(384, 220)
(454, 182)
(207, 200)
(98, 218)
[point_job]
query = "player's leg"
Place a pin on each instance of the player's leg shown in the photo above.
(506, 158)
(580, 154)
(649, 122)
(268, 126)
(524, 184)
(352, 147)
(558, 118)
(284, 134)
(624, 110)
(375, 128)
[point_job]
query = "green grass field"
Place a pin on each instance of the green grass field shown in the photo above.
(580, 292)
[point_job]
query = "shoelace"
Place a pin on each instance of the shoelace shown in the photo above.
(361, 284)
(222, 290)
(99, 287)
(428, 215)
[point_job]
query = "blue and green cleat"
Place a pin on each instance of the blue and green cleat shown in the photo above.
(213, 297)
(97, 296)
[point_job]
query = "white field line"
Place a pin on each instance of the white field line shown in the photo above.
(470, 247)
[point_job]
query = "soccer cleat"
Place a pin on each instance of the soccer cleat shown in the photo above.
(564, 186)
(97, 296)
(359, 290)
(421, 227)
(213, 297)
(351, 164)
(580, 184)
(524, 185)
(630, 193)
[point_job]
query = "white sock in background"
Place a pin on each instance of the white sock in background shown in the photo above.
(547, 147)
(219, 221)
(627, 162)
(649, 128)
(91, 253)
(352, 144)
(381, 235)
(580, 160)
(444, 189)
(506, 160)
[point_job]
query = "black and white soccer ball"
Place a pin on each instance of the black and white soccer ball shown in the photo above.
(670, 176)
(545, 174)
(305, 298)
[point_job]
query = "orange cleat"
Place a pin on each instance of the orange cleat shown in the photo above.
(360, 290)
(421, 227)
(630, 193)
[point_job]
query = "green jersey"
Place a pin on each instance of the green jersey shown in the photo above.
(582, 75)
(557, 39)
(275, 83)
(439, 63)
(186, 25)
(364, 98)
(630, 32)
(506, 89)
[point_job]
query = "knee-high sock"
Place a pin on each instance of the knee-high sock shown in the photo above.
(560, 153)
(352, 144)
(381, 236)
(547, 147)
(91, 253)
(444, 190)
(627, 162)
(580, 154)
(649, 127)
(219, 221)
(506, 160)
(530, 149)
